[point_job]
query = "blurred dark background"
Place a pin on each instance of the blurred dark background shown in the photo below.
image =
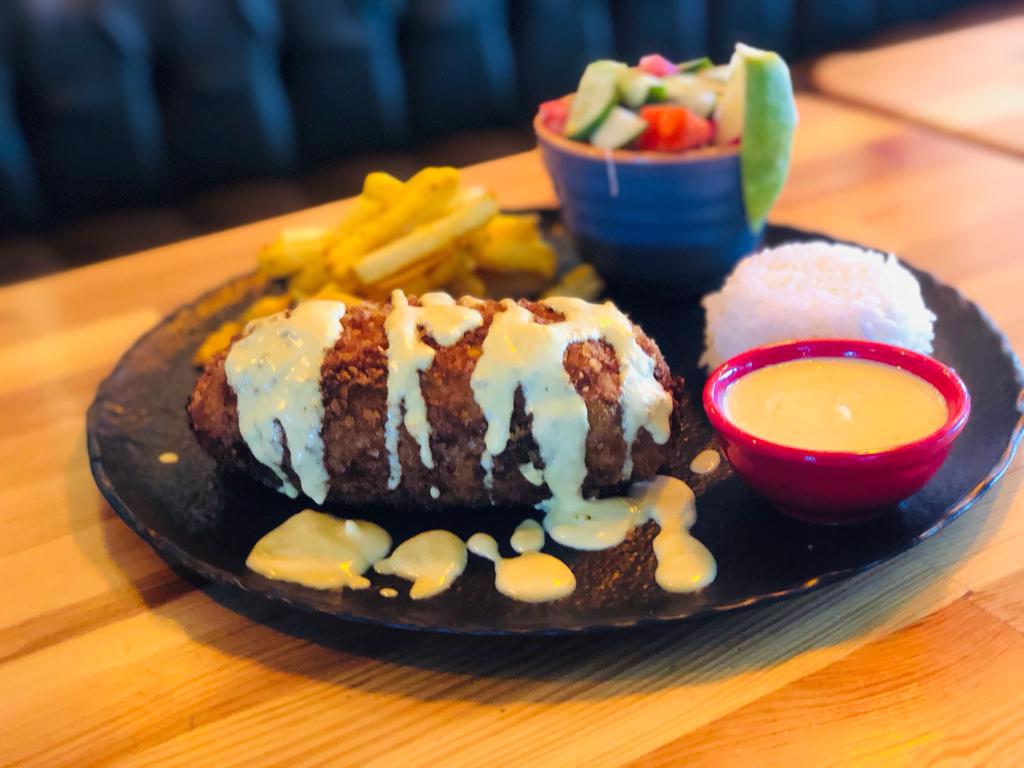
(125, 124)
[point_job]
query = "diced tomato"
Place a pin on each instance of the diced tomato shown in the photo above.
(672, 128)
(657, 65)
(554, 113)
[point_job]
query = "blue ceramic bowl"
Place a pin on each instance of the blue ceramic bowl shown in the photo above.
(654, 221)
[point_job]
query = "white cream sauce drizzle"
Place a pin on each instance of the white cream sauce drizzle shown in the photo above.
(487, 462)
(706, 462)
(528, 537)
(274, 371)
(320, 551)
(533, 474)
(519, 353)
(532, 577)
(431, 561)
(446, 322)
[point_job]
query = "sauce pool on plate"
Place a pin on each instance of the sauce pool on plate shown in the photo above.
(835, 404)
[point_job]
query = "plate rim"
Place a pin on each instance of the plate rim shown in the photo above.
(178, 558)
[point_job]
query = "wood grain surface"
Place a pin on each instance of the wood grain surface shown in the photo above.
(967, 81)
(108, 657)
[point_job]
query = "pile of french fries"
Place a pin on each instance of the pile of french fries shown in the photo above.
(426, 234)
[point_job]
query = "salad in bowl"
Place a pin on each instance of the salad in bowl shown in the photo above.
(676, 163)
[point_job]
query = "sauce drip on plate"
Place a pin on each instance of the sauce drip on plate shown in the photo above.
(684, 564)
(431, 561)
(528, 537)
(532, 577)
(320, 551)
(706, 462)
(324, 552)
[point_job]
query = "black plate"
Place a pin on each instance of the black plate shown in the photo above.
(206, 522)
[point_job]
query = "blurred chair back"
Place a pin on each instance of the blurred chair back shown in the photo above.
(106, 103)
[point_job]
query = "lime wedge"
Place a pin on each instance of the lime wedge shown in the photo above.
(595, 96)
(758, 108)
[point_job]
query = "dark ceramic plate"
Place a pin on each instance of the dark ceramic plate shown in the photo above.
(205, 522)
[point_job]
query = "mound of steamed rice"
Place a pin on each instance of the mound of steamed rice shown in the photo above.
(815, 290)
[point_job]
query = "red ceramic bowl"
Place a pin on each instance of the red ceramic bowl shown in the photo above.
(832, 486)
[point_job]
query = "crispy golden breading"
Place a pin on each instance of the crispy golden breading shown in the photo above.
(354, 388)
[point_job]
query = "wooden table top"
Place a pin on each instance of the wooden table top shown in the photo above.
(107, 656)
(967, 81)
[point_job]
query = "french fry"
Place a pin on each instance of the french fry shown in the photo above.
(334, 292)
(267, 305)
(216, 341)
(426, 239)
(413, 276)
(362, 211)
(379, 190)
(500, 285)
(523, 227)
(293, 249)
(422, 235)
(423, 198)
(381, 187)
(310, 279)
(509, 256)
(467, 284)
(512, 243)
(581, 281)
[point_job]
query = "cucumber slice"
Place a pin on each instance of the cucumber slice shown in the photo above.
(696, 65)
(690, 91)
(595, 96)
(619, 128)
(637, 88)
(657, 93)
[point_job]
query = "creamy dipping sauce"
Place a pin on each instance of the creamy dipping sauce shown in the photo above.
(320, 551)
(835, 404)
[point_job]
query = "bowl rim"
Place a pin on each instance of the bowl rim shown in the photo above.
(939, 375)
(588, 151)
